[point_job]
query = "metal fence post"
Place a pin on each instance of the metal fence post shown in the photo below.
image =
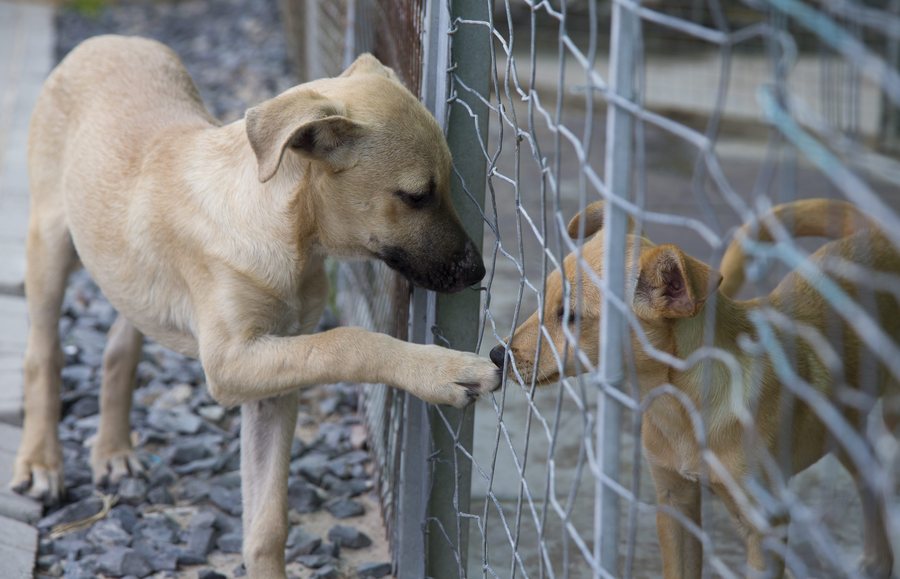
(456, 320)
(619, 139)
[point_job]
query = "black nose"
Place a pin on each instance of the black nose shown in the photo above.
(473, 264)
(498, 354)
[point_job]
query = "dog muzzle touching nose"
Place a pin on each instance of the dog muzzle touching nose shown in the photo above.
(498, 355)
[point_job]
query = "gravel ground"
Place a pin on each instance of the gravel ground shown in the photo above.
(182, 519)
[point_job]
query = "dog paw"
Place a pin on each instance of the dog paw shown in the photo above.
(458, 378)
(40, 482)
(112, 466)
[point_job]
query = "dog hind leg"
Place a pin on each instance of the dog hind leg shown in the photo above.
(112, 456)
(267, 431)
(50, 255)
(878, 559)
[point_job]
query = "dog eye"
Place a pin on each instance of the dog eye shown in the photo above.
(415, 200)
(562, 312)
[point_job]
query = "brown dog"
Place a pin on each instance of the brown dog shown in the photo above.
(671, 295)
(211, 239)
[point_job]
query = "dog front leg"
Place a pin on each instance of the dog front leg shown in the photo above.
(276, 365)
(761, 562)
(267, 431)
(682, 553)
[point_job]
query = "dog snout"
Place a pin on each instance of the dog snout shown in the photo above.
(473, 264)
(498, 354)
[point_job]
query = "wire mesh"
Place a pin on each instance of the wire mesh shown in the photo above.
(735, 108)
(729, 109)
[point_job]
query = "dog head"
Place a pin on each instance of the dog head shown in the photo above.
(663, 285)
(378, 168)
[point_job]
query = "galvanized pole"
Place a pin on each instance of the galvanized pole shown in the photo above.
(619, 142)
(457, 315)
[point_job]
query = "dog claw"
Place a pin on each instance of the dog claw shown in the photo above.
(473, 391)
(110, 471)
(41, 484)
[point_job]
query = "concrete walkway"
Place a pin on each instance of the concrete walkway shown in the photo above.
(26, 56)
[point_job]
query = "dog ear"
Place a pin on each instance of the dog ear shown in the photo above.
(305, 121)
(672, 284)
(593, 216)
(593, 220)
(367, 64)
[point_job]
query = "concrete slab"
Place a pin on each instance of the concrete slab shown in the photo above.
(13, 335)
(13, 506)
(26, 57)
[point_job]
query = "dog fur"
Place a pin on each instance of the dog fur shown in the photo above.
(211, 240)
(672, 295)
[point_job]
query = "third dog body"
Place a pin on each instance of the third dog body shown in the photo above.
(672, 296)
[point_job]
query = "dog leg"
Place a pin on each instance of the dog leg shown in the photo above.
(50, 255)
(760, 561)
(682, 553)
(267, 431)
(878, 559)
(276, 365)
(112, 456)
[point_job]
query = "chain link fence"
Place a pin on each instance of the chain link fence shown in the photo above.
(689, 119)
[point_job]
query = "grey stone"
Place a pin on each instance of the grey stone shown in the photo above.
(160, 496)
(229, 480)
(315, 561)
(74, 375)
(201, 540)
(229, 500)
(194, 489)
(212, 413)
(85, 406)
(302, 497)
(159, 530)
(84, 568)
(198, 465)
(66, 546)
(297, 448)
(210, 574)
(348, 488)
(299, 542)
(177, 419)
(187, 557)
(203, 519)
(326, 572)
(349, 537)
(312, 466)
(121, 561)
(125, 515)
(74, 512)
(229, 543)
(331, 549)
(190, 451)
(132, 491)
(160, 557)
(161, 475)
(374, 570)
(344, 508)
(108, 532)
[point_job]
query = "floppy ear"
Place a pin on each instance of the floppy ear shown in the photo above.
(367, 64)
(305, 121)
(672, 284)
(593, 220)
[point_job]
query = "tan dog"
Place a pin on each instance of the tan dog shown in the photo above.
(671, 295)
(211, 239)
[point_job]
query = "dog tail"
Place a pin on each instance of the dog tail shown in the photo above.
(805, 218)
